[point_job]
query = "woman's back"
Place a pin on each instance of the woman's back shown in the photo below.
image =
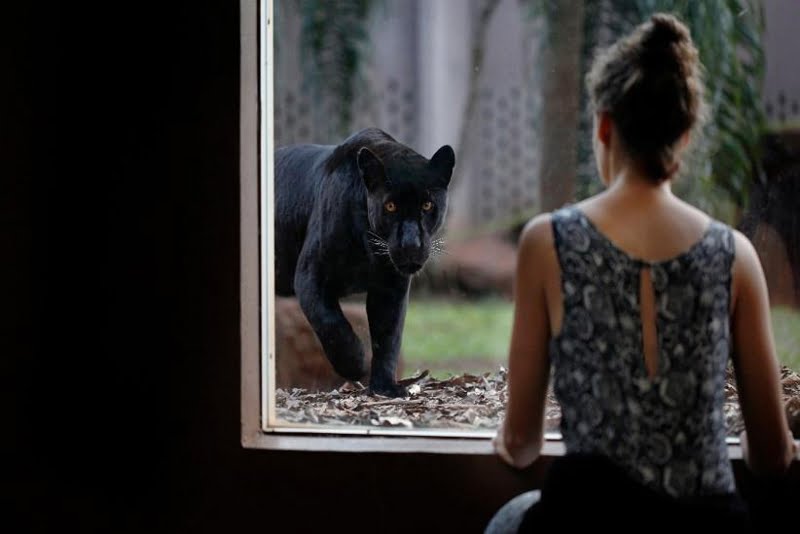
(645, 221)
(641, 352)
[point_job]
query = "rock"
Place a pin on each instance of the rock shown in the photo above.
(300, 361)
(774, 256)
(480, 265)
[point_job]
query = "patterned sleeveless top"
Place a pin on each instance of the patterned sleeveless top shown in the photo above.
(667, 432)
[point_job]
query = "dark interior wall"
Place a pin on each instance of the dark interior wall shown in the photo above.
(120, 237)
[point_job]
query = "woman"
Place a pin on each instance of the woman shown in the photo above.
(637, 299)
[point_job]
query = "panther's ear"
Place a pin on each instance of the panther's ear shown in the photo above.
(371, 168)
(443, 162)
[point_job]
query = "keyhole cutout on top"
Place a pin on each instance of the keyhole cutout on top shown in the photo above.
(647, 309)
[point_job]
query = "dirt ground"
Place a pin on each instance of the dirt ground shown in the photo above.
(465, 401)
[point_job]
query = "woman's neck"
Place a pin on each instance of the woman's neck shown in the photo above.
(628, 180)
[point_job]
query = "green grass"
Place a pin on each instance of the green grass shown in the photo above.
(459, 336)
(441, 332)
(786, 328)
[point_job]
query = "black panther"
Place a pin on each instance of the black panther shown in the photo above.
(353, 218)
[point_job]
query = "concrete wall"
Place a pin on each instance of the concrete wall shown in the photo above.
(782, 79)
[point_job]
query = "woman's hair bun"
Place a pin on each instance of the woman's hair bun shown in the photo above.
(664, 30)
(650, 81)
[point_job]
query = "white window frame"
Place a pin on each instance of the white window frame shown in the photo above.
(259, 428)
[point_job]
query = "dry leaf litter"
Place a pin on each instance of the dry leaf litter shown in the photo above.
(464, 401)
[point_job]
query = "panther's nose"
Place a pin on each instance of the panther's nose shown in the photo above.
(410, 253)
(413, 253)
(409, 237)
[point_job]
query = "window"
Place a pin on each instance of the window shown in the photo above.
(429, 74)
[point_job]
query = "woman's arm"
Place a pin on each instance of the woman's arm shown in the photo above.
(767, 445)
(519, 439)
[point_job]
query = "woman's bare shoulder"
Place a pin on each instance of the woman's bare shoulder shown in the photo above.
(537, 233)
(746, 264)
(745, 251)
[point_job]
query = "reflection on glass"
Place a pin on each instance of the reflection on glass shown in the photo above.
(501, 82)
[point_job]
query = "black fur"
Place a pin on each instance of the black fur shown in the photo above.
(334, 236)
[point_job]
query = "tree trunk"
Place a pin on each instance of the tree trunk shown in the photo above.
(478, 52)
(561, 92)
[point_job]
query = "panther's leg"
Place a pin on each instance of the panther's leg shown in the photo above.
(387, 297)
(321, 307)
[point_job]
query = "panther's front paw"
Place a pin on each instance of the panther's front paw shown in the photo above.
(352, 366)
(388, 389)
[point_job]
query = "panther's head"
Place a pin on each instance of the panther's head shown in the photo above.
(406, 202)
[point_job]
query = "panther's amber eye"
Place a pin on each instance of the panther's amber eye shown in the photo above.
(390, 206)
(426, 206)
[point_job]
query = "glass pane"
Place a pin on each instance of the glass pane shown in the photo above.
(502, 83)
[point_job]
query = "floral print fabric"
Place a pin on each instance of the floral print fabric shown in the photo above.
(668, 432)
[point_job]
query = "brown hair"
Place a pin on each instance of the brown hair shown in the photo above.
(650, 83)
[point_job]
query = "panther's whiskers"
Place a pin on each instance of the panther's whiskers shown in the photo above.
(438, 247)
(379, 245)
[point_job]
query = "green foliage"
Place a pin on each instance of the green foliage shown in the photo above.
(786, 329)
(729, 35)
(335, 45)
